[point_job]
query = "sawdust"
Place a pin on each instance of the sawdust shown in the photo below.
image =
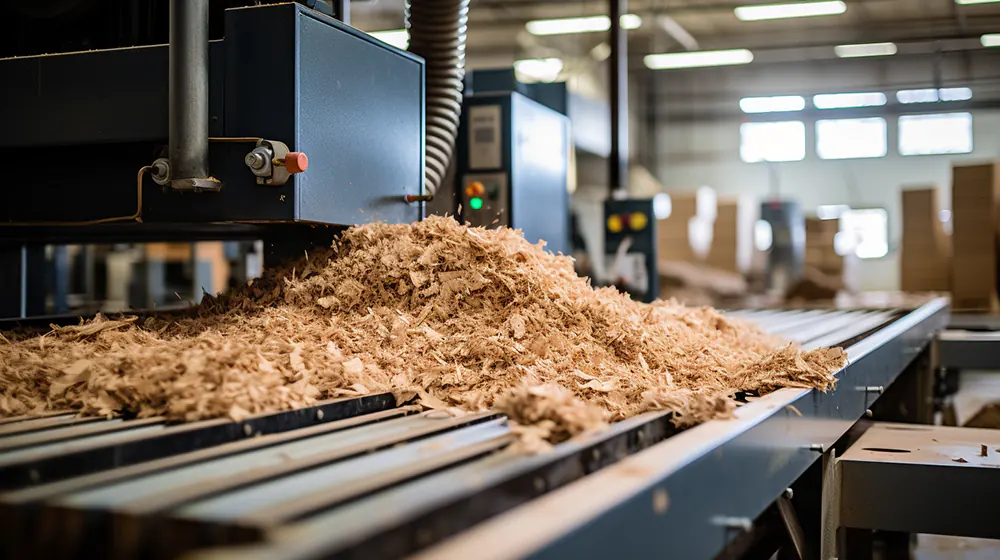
(460, 318)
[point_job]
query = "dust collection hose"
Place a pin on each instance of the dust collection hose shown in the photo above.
(438, 29)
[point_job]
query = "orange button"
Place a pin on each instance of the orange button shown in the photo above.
(638, 221)
(615, 224)
(475, 188)
(296, 162)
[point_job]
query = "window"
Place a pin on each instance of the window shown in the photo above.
(942, 133)
(867, 231)
(932, 95)
(848, 100)
(851, 138)
(772, 104)
(772, 141)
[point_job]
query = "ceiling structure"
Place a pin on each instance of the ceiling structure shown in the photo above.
(497, 27)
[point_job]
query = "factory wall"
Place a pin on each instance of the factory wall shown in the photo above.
(696, 154)
(698, 138)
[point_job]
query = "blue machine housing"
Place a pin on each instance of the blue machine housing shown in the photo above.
(85, 123)
(518, 149)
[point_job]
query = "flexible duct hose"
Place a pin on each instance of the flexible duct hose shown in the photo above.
(437, 33)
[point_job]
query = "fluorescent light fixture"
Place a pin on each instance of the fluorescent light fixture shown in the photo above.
(990, 40)
(848, 100)
(929, 95)
(932, 95)
(866, 49)
(970, 2)
(631, 21)
(399, 38)
(955, 94)
(795, 10)
(697, 59)
(538, 69)
(589, 24)
(772, 104)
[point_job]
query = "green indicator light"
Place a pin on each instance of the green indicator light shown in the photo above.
(475, 203)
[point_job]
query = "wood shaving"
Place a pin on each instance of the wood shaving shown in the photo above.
(459, 318)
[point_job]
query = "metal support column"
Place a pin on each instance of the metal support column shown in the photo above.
(188, 96)
(618, 159)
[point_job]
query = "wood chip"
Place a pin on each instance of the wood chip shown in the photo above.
(461, 318)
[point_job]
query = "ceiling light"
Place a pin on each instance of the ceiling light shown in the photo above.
(697, 59)
(990, 40)
(796, 10)
(590, 24)
(773, 104)
(538, 69)
(931, 95)
(866, 49)
(848, 100)
(399, 38)
(967, 2)
(955, 94)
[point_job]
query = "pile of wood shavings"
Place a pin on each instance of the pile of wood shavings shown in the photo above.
(460, 318)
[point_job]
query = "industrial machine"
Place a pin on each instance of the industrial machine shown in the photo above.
(513, 161)
(786, 257)
(630, 243)
(287, 121)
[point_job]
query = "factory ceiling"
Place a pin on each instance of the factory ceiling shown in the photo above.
(498, 26)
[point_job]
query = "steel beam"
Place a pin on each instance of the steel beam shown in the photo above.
(618, 80)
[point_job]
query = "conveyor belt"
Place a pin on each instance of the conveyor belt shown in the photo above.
(356, 478)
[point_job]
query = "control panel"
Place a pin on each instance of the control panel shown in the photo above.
(630, 247)
(485, 199)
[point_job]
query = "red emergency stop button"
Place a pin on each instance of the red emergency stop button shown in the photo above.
(296, 162)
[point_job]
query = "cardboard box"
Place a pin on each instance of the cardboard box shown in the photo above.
(975, 194)
(732, 240)
(925, 248)
(682, 236)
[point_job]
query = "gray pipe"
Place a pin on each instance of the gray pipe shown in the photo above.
(437, 33)
(188, 75)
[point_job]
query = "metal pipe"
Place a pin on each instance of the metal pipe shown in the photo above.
(188, 95)
(618, 159)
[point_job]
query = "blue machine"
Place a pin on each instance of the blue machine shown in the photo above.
(86, 122)
(513, 166)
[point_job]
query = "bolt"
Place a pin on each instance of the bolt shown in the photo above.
(817, 447)
(743, 523)
(247, 430)
(319, 414)
(660, 501)
(595, 454)
(875, 389)
(640, 436)
(160, 171)
(868, 413)
(255, 161)
(788, 493)
(539, 483)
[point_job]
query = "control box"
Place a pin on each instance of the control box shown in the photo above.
(630, 245)
(514, 167)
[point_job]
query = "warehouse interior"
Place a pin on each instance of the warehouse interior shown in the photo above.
(500, 279)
